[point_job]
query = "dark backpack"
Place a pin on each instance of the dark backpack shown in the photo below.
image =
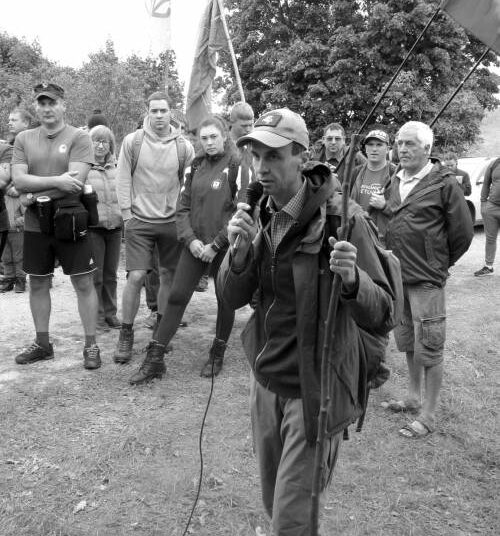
(180, 143)
(374, 343)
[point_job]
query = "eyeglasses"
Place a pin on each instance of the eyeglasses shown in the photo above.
(104, 143)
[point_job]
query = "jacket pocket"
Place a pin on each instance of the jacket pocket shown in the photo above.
(433, 332)
(429, 251)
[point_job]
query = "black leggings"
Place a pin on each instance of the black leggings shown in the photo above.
(187, 274)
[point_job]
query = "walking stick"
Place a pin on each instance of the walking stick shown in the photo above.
(326, 369)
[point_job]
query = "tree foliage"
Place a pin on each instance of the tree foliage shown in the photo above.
(331, 60)
(118, 88)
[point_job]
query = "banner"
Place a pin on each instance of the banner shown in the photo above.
(159, 25)
(480, 17)
(211, 39)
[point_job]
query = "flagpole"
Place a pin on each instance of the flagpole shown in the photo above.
(446, 104)
(231, 50)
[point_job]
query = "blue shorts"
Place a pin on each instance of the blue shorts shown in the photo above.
(423, 327)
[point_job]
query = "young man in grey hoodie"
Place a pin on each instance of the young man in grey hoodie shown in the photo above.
(151, 165)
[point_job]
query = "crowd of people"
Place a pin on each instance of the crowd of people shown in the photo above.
(180, 208)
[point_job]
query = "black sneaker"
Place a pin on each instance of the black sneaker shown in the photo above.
(34, 353)
(484, 271)
(91, 357)
(123, 352)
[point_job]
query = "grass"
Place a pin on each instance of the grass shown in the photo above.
(84, 454)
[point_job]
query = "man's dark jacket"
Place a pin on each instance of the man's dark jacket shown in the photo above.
(431, 229)
(369, 305)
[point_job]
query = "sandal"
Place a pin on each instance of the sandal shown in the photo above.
(415, 430)
(398, 406)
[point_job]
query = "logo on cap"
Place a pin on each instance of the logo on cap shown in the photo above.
(269, 120)
(377, 135)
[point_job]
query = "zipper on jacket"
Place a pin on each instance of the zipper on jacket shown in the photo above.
(273, 270)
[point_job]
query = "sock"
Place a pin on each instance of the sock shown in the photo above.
(489, 265)
(42, 338)
(89, 341)
(127, 327)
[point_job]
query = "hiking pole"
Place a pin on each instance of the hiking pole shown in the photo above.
(459, 87)
(326, 368)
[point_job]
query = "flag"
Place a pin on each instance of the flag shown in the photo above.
(211, 39)
(159, 25)
(480, 17)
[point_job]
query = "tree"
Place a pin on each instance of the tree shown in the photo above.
(330, 61)
(118, 88)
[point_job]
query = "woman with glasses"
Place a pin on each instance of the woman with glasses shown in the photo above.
(106, 235)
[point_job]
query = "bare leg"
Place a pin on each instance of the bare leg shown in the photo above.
(433, 382)
(40, 303)
(132, 295)
(87, 301)
(415, 373)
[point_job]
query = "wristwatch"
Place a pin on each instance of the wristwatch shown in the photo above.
(215, 247)
(30, 197)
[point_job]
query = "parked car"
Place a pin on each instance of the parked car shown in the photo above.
(475, 167)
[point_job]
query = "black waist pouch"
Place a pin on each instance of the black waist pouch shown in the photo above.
(70, 220)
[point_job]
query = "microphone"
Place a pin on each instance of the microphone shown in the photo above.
(253, 194)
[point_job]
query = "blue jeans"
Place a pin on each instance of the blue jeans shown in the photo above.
(106, 250)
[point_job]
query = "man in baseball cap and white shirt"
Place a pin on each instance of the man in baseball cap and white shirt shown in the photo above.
(280, 252)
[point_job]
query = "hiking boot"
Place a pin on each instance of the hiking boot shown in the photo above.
(216, 358)
(202, 285)
(7, 285)
(151, 320)
(123, 352)
(20, 285)
(34, 353)
(91, 357)
(113, 322)
(153, 365)
(480, 273)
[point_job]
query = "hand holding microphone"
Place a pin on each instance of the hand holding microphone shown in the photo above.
(242, 228)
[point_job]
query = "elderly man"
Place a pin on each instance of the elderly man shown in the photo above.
(53, 161)
(282, 251)
(429, 230)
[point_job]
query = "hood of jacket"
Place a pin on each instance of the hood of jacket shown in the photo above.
(150, 133)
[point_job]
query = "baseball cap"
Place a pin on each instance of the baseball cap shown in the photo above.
(278, 128)
(52, 91)
(377, 135)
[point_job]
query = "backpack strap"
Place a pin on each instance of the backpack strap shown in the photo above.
(180, 144)
(136, 149)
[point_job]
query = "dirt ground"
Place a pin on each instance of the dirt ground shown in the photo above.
(83, 453)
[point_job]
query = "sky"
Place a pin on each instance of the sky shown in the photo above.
(68, 30)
